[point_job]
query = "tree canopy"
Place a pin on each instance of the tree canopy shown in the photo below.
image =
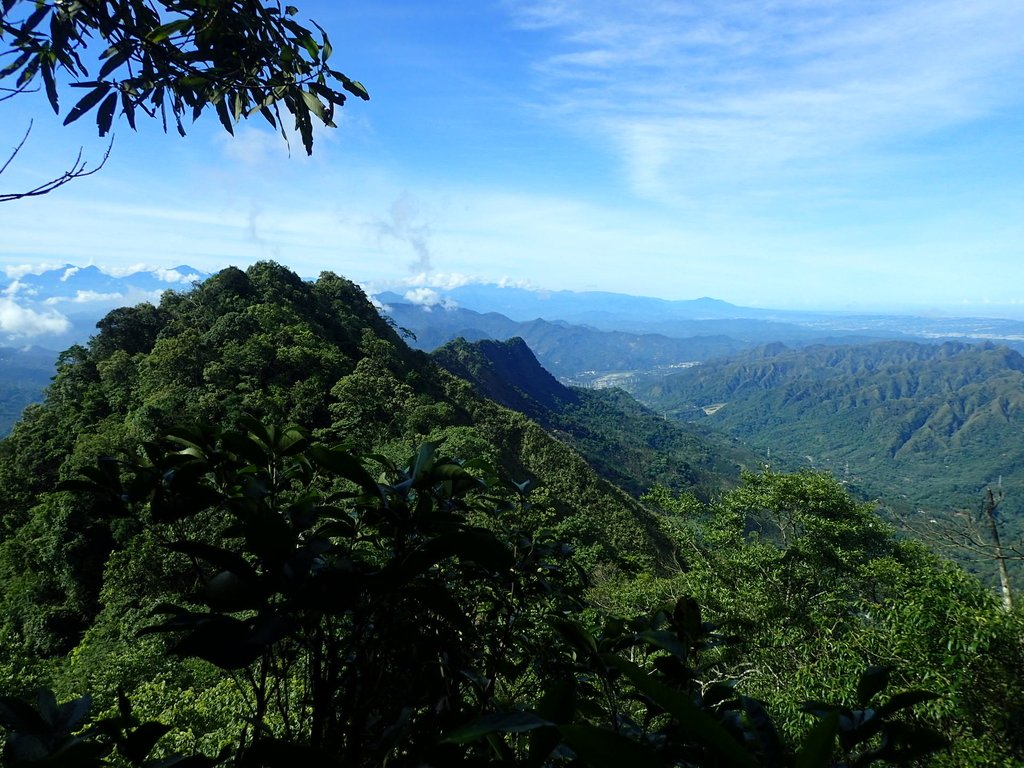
(171, 60)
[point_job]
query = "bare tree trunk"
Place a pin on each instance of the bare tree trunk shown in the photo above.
(1004, 574)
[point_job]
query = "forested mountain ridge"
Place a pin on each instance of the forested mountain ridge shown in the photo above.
(263, 343)
(341, 594)
(933, 424)
(626, 443)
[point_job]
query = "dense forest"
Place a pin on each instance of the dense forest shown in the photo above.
(251, 526)
(922, 428)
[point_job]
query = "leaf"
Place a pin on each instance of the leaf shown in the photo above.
(141, 741)
(599, 748)
(216, 556)
(497, 722)
(697, 724)
(87, 102)
(352, 86)
(164, 31)
(72, 713)
(274, 753)
(128, 109)
(16, 715)
(872, 681)
(816, 750)
(245, 447)
(905, 700)
(344, 464)
(50, 86)
(118, 56)
(229, 643)
(15, 65)
(37, 16)
(224, 114)
(105, 114)
(665, 640)
(574, 634)
(558, 704)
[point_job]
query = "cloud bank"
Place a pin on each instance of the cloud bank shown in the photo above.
(17, 321)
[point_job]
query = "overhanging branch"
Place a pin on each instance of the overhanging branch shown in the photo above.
(79, 169)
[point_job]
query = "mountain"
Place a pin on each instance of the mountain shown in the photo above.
(262, 343)
(342, 595)
(564, 349)
(919, 425)
(709, 317)
(626, 443)
(24, 373)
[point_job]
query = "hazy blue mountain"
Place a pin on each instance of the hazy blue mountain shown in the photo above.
(750, 325)
(564, 349)
(60, 307)
(24, 374)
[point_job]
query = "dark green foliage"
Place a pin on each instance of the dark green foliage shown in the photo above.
(258, 342)
(622, 440)
(406, 620)
(178, 57)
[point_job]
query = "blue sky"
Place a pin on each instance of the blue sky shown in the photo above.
(804, 154)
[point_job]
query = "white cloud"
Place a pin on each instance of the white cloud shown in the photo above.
(174, 276)
(427, 297)
(423, 296)
(69, 272)
(84, 297)
(16, 286)
(19, 321)
(126, 270)
(16, 271)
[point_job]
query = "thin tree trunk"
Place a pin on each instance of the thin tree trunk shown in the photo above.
(1004, 574)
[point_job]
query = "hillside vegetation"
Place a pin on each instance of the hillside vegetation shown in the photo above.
(258, 530)
(918, 426)
(626, 443)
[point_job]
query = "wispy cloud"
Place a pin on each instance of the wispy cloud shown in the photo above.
(85, 297)
(405, 224)
(701, 92)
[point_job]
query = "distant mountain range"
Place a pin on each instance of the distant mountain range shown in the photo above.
(709, 317)
(24, 373)
(575, 352)
(59, 307)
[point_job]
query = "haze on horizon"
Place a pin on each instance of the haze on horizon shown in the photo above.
(808, 155)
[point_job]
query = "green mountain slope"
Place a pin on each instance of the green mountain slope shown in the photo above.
(322, 606)
(622, 440)
(264, 343)
(931, 425)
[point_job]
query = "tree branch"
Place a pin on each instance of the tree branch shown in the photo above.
(79, 169)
